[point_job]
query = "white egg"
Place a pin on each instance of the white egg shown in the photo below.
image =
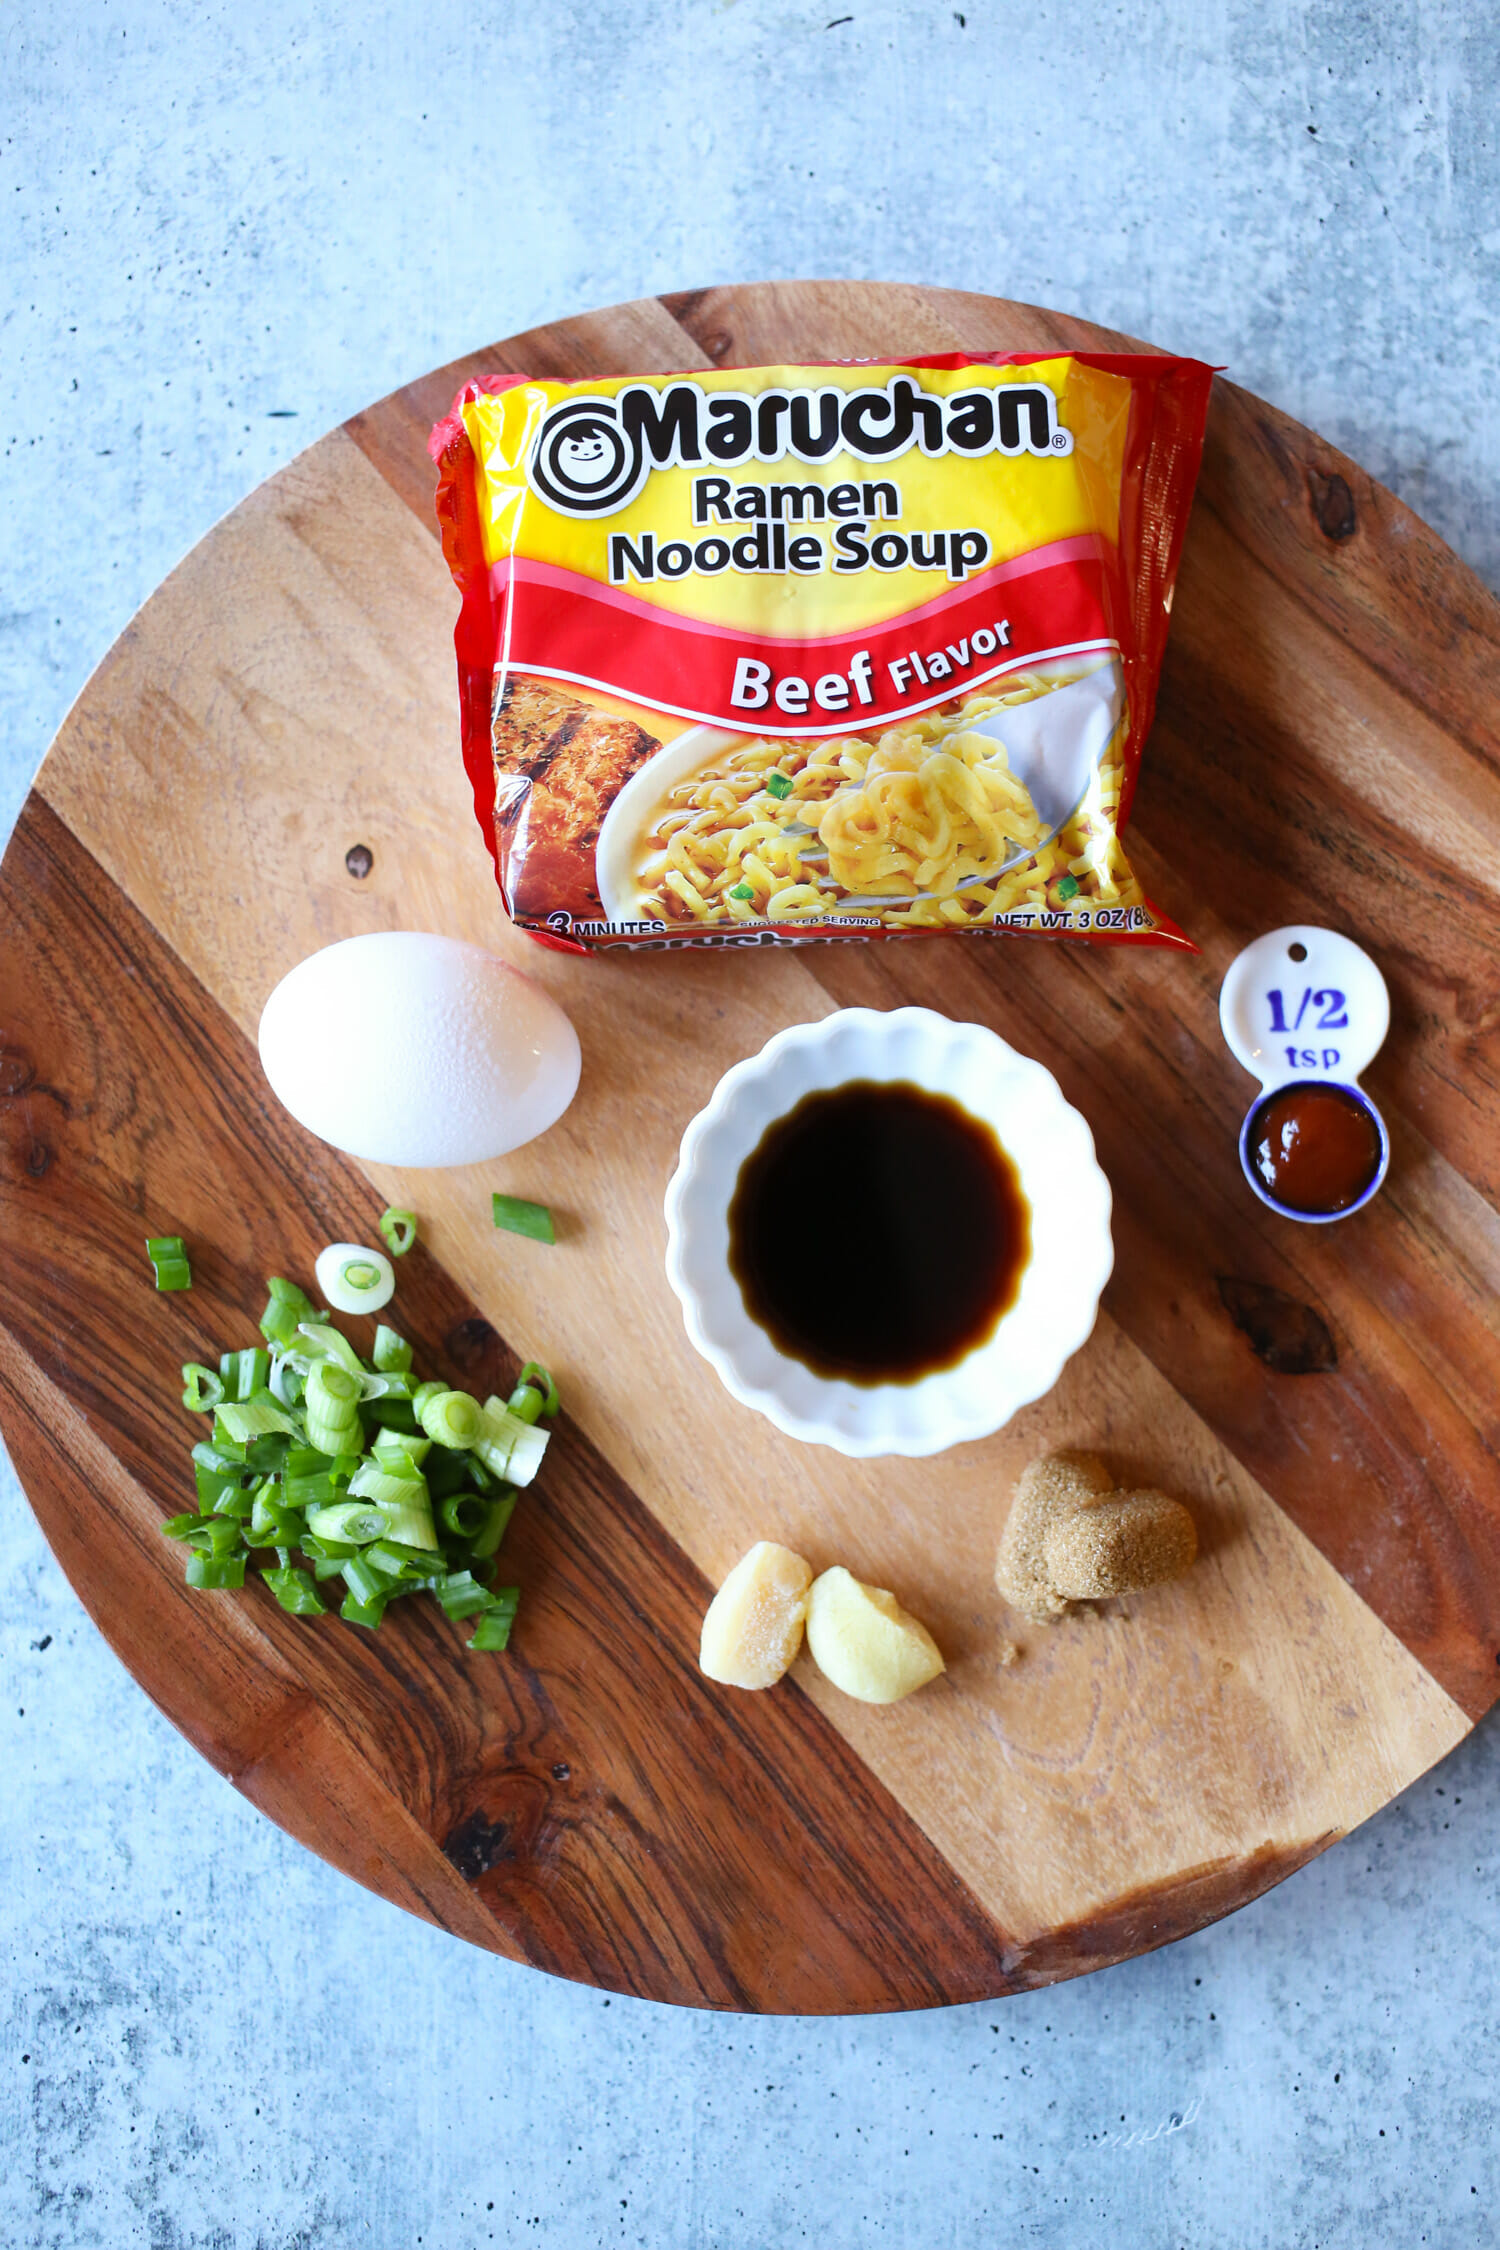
(408, 1049)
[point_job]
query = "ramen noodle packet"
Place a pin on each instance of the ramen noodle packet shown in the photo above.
(760, 655)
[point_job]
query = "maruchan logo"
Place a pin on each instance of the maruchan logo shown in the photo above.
(592, 455)
(583, 463)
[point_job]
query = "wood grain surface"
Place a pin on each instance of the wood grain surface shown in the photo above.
(1324, 750)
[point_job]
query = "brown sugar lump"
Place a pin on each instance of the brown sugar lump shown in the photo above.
(1071, 1537)
(1047, 1493)
(753, 1626)
(865, 1642)
(1121, 1546)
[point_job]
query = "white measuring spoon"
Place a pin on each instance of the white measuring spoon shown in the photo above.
(1306, 1006)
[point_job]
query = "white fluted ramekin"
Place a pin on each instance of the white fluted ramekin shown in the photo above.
(1053, 1152)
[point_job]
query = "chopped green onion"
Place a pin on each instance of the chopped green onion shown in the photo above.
(256, 1417)
(392, 1354)
(286, 1380)
(391, 1414)
(397, 1385)
(497, 1515)
(201, 1388)
(213, 1488)
(395, 1559)
(318, 1456)
(221, 1457)
(517, 1216)
(493, 1629)
(745, 892)
(216, 1535)
(779, 784)
(216, 1574)
(464, 1514)
(310, 1479)
(272, 1523)
(401, 1445)
(327, 1556)
(245, 1373)
(216, 1471)
(356, 1612)
(286, 1307)
(363, 1582)
(535, 1394)
(396, 1488)
(319, 1549)
(169, 1259)
(1068, 887)
(321, 1341)
(398, 1231)
(266, 1454)
(536, 1378)
(385, 1477)
(461, 1594)
(453, 1419)
(332, 1407)
(353, 1279)
(354, 1523)
(295, 1591)
(510, 1448)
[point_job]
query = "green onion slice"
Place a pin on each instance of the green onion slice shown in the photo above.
(535, 1393)
(744, 892)
(178, 1527)
(779, 784)
(355, 1280)
(371, 1612)
(286, 1306)
(295, 1591)
(510, 1448)
(320, 1341)
(245, 1373)
(397, 1385)
(353, 1523)
(334, 1392)
(398, 1231)
(256, 1417)
(464, 1514)
(493, 1629)
(201, 1387)
(398, 1449)
(517, 1216)
(392, 1354)
(216, 1574)
(364, 1583)
(169, 1261)
(397, 1490)
(497, 1515)
(453, 1419)
(461, 1594)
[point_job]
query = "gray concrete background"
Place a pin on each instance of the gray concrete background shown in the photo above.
(223, 229)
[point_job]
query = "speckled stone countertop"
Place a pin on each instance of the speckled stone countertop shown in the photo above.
(227, 228)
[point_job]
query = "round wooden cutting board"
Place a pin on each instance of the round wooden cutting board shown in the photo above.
(1325, 1398)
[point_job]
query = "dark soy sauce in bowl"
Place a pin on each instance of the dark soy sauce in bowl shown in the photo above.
(878, 1233)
